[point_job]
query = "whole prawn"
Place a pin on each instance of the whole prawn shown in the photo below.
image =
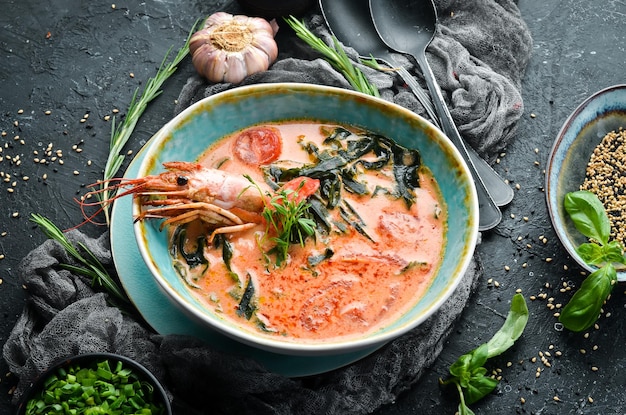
(187, 191)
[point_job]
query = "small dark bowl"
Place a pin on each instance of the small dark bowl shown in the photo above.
(275, 8)
(581, 133)
(87, 360)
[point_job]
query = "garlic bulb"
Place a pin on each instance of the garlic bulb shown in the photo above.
(229, 48)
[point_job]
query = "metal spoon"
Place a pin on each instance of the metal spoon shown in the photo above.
(351, 23)
(408, 26)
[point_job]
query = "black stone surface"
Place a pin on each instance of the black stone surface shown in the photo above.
(77, 59)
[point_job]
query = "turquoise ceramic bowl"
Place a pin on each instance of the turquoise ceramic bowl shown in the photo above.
(583, 130)
(191, 132)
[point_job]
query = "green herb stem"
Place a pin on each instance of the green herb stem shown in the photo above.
(120, 133)
(336, 56)
(92, 267)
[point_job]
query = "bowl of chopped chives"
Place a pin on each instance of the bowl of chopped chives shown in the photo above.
(589, 154)
(95, 383)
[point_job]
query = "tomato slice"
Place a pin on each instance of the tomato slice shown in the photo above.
(258, 145)
(302, 186)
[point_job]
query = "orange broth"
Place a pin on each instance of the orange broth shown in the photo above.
(360, 288)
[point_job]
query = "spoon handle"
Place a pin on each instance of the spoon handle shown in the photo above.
(500, 191)
(489, 213)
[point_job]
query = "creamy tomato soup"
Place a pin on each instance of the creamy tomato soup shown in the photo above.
(374, 252)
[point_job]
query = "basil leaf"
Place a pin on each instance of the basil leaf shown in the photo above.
(584, 307)
(591, 253)
(468, 363)
(589, 215)
(461, 366)
(464, 410)
(479, 387)
(612, 253)
(512, 328)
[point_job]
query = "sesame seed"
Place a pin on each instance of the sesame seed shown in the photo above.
(604, 177)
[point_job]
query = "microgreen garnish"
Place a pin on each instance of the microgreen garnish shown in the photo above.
(590, 218)
(468, 373)
(336, 56)
(93, 268)
(120, 133)
(287, 217)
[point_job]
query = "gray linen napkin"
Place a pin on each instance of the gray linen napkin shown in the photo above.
(478, 56)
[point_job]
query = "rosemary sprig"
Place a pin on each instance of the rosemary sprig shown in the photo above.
(120, 133)
(93, 268)
(335, 56)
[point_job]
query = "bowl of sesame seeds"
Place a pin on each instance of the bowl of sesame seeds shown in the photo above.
(589, 153)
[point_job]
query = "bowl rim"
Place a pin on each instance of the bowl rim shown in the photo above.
(324, 347)
(35, 385)
(551, 183)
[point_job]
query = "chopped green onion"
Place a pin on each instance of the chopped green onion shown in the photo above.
(95, 390)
